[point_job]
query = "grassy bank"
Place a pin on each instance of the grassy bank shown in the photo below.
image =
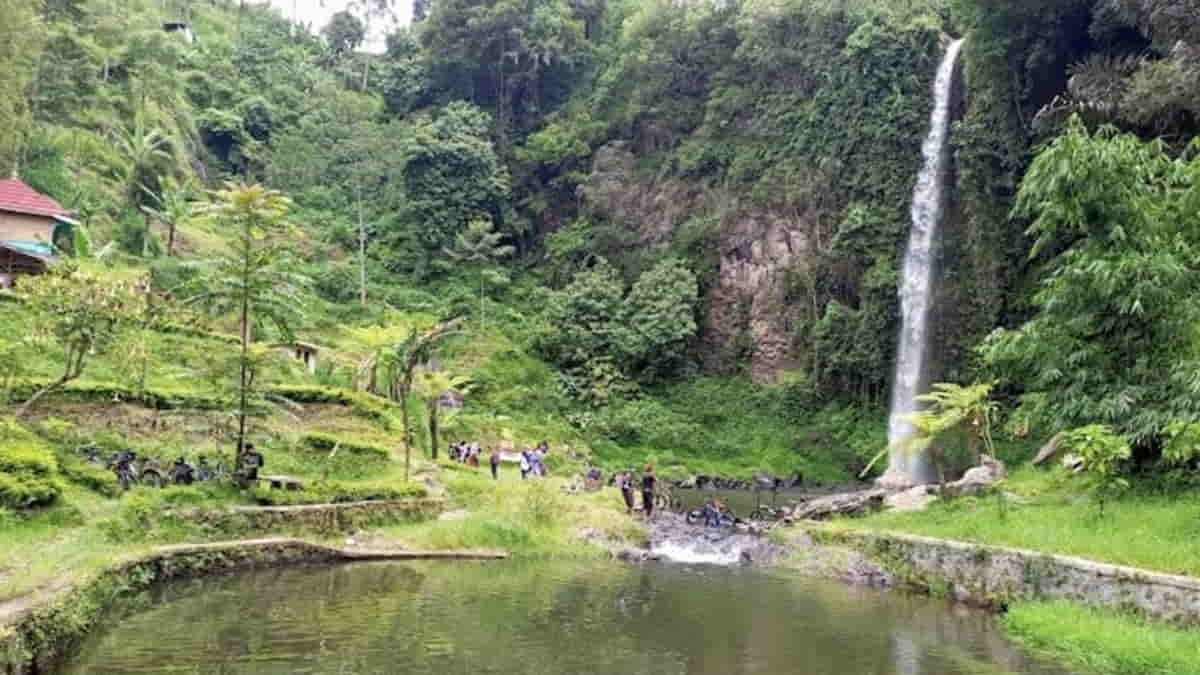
(1105, 643)
(1048, 510)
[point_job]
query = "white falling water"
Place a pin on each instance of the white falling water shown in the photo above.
(916, 288)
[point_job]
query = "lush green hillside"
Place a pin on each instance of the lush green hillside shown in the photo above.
(668, 232)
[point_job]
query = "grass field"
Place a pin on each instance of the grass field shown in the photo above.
(1049, 511)
(1105, 643)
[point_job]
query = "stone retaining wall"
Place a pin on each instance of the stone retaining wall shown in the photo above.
(314, 517)
(994, 576)
(37, 632)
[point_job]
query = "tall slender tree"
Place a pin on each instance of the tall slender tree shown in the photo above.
(255, 280)
(479, 245)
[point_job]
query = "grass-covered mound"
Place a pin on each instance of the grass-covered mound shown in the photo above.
(28, 469)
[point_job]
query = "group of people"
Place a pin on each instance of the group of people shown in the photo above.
(533, 460)
(467, 453)
(627, 480)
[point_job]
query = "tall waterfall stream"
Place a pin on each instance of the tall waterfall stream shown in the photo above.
(916, 290)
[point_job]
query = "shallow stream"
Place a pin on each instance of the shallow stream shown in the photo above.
(542, 617)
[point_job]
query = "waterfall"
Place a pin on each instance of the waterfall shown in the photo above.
(916, 288)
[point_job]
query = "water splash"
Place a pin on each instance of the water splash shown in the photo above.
(694, 553)
(916, 290)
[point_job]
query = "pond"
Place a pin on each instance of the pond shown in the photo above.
(542, 617)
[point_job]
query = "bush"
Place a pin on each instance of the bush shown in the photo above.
(28, 469)
(81, 472)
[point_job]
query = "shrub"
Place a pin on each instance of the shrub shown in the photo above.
(28, 469)
(81, 472)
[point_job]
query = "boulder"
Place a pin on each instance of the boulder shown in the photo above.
(979, 478)
(913, 499)
(1049, 450)
(845, 504)
(688, 483)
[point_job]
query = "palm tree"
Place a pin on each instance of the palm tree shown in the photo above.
(403, 359)
(148, 154)
(173, 206)
(432, 385)
(480, 245)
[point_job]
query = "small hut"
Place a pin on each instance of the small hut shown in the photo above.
(31, 225)
(304, 352)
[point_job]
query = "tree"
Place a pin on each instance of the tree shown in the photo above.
(255, 279)
(604, 338)
(405, 356)
(173, 206)
(452, 175)
(480, 245)
(21, 35)
(432, 385)
(344, 33)
(148, 156)
(1112, 340)
(84, 314)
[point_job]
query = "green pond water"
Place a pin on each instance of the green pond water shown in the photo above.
(543, 617)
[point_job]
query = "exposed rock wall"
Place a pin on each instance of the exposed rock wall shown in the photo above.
(745, 311)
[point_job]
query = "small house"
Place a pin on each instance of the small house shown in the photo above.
(304, 352)
(31, 225)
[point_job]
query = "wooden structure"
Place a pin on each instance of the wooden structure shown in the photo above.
(31, 224)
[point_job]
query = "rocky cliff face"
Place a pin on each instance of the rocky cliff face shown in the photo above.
(745, 316)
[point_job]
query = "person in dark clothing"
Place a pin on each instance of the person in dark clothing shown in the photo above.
(183, 473)
(495, 462)
(648, 482)
(625, 482)
(252, 461)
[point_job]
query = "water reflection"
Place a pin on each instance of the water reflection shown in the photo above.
(545, 618)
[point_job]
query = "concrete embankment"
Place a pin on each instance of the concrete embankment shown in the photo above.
(994, 576)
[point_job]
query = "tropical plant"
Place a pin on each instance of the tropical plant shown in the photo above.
(255, 280)
(173, 205)
(1112, 340)
(404, 357)
(480, 245)
(431, 386)
(148, 156)
(956, 408)
(1104, 453)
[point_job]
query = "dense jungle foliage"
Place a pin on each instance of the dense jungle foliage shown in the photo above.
(579, 181)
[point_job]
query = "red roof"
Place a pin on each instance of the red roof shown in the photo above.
(17, 197)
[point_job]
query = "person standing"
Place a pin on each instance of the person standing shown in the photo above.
(495, 462)
(625, 482)
(649, 480)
